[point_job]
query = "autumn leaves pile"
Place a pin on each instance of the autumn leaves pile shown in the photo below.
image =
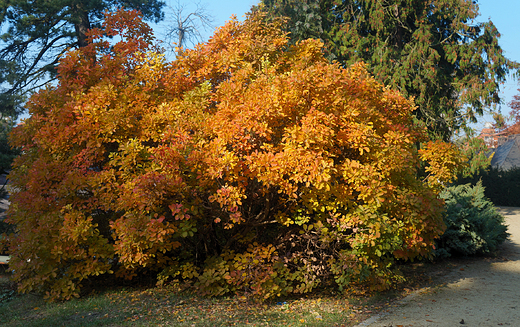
(244, 166)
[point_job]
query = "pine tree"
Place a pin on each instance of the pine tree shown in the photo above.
(38, 32)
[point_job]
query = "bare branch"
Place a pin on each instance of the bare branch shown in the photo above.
(185, 26)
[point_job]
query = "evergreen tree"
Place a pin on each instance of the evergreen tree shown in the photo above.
(7, 154)
(433, 50)
(38, 32)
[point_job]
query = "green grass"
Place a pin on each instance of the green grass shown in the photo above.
(155, 306)
(158, 307)
(162, 307)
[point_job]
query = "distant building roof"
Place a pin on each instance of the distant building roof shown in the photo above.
(507, 155)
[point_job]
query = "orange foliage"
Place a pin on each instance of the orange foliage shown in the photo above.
(246, 165)
(443, 160)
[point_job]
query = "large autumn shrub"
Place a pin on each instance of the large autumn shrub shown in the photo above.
(246, 165)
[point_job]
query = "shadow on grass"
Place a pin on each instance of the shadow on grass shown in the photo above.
(133, 306)
(108, 305)
(151, 306)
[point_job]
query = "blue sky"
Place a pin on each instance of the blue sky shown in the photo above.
(503, 13)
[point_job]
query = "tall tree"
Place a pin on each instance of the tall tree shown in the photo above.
(38, 32)
(433, 50)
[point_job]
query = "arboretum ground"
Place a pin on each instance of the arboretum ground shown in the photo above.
(480, 291)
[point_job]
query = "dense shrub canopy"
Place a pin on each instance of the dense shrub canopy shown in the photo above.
(246, 165)
(502, 187)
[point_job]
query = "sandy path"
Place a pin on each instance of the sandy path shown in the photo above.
(483, 293)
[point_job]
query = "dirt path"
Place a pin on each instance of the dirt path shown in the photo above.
(482, 293)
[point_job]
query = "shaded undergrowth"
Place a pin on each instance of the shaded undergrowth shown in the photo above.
(165, 306)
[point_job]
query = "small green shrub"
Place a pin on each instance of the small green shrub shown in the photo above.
(4, 227)
(473, 225)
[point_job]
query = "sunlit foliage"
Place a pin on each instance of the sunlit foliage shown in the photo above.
(246, 165)
(438, 51)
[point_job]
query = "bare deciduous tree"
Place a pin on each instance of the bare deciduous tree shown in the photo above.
(186, 25)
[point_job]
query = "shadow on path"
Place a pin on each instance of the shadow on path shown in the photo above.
(482, 292)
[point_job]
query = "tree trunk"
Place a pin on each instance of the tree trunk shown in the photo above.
(82, 24)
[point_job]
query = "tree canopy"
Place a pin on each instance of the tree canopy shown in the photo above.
(433, 50)
(37, 33)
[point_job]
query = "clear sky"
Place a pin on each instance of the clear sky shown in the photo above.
(505, 14)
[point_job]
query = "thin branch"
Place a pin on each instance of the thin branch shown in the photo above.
(35, 61)
(186, 28)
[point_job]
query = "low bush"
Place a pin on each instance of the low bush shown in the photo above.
(474, 226)
(5, 229)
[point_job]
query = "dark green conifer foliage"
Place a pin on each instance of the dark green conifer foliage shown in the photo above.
(36, 33)
(473, 224)
(7, 154)
(433, 50)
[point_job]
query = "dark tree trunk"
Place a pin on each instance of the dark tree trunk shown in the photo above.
(82, 24)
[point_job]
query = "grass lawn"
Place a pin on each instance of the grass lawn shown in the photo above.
(119, 306)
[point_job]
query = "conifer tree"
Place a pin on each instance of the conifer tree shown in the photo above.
(37, 33)
(433, 50)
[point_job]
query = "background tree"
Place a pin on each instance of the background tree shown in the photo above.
(7, 154)
(515, 110)
(38, 32)
(433, 50)
(499, 121)
(186, 26)
(475, 150)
